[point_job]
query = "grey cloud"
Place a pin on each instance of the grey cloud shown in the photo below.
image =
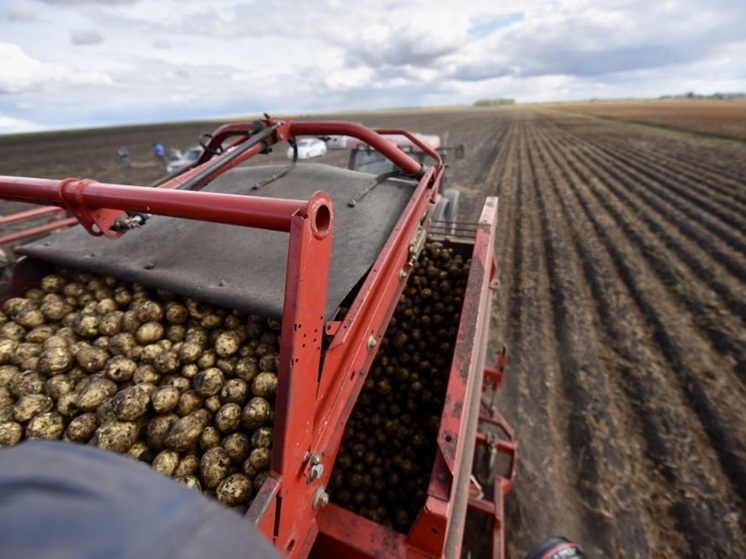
(85, 37)
(66, 3)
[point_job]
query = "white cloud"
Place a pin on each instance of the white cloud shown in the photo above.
(85, 37)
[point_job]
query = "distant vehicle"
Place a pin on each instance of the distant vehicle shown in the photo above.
(337, 142)
(308, 148)
(185, 159)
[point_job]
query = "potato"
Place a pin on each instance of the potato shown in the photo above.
(248, 469)
(16, 305)
(238, 447)
(207, 359)
(7, 373)
(262, 438)
(145, 373)
(122, 343)
(31, 318)
(142, 452)
(176, 313)
(123, 296)
(210, 438)
(94, 392)
(12, 331)
(227, 365)
(58, 385)
(235, 391)
(130, 322)
(188, 466)
(31, 405)
(269, 362)
(53, 283)
(67, 404)
(149, 333)
(179, 382)
(118, 436)
(40, 334)
(55, 361)
(234, 490)
(10, 433)
(86, 325)
(228, 418)
(166, 362)
(165, 399)
(176, 333)
(259, 480)
(120, 368)
(7, 349)
(185, 432)
(190, 352)
(105, 412)
(81, 428)
(189, 371)
(198, 335)
(26, 383)
(213, 403)
(6, 398)
(227, 343)
(111, 323)
(131, 402)
(6, 413)
(165, 462)
(24, 351)
(259, 458)
(197, 309)
(73, 289)
(150, 311)
(246, 369)
(214, 467)
(264, 385)
(91, 358)
(208, 382)
(190, 481)
(48, 425)
(256, 413)
(156, 429)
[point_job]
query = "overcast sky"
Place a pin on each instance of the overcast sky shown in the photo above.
(84, 63)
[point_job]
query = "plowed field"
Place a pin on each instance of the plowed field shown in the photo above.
(622, 304)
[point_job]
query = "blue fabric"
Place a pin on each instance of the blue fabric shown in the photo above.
(62, 500)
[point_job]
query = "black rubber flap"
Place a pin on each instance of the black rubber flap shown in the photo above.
(239, 267)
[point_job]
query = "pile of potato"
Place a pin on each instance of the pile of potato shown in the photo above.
(183, 386)
(388, 448)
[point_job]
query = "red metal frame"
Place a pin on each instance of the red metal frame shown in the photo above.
(315, 398)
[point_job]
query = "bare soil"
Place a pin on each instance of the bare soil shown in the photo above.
(622, 256)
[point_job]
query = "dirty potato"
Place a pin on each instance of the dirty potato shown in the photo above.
(81, 428)
(118, 436)
(165, 462)
(48, 425)
(264, 385)
(31, 405)
(228, 418)
(208, 382)
(165, 399)
(94, 392)
(214, 467)
(256, 413)
(156, 429)
(185, 432)
(131, 402)
(236, 489)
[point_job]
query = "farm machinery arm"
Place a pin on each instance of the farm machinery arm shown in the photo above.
(324, 359)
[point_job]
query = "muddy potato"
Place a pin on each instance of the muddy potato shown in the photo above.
(149, 353)
(184, 433)
(10, 433)
(131, 402)
(268, 363)
(123, 296)
(190, 352)
(198, 335)
(189, 402)
(259, 458)
(248, 469)
(86, 325)
(16, 305)
(238, 447)
(81, 428)
(130, 322)
(7, 373)
(120, 369)
(105, 412)
(25, 351)
(166, 361)
(208, 382)
(211, 321)
(190, 481)
(236, 489)
(12, 331)
(6, 398)
(246, 368)
(189, 371)
(58, 385)
(176, 333)
(141, 451)
(227, 343)
(227, 365)
(31, 405)
(145, 374)
(210, 438)
(118, 436)
(111, 323)
(256, 413)
(150, 311)
(67, 404)
(228, 418)
(207, 359)
(264, 385)
(149, 333)
(40, 334)
(262, 437)
(165, 399)
(176, 313)
(27, 382)
(53, 283)
(165, 462)
(7, 349)
(6, 412)
(188, 466)
(48, 425)
(214, 466)
(94, 391)
(156, 429)
(235, 390)
(55, 361)
(212, 404)
(121, 344)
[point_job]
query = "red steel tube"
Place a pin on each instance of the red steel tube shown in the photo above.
(38, 230)
(329, 127)
(28, 214)
(233, 209)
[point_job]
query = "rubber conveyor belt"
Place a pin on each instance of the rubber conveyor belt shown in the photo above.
(239, 267)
